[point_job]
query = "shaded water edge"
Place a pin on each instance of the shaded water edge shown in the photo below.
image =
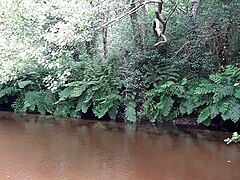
(183, 122)
(174, 127)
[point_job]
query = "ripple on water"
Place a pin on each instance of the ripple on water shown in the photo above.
(39, 147)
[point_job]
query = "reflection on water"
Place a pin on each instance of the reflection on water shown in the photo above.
(39, 147)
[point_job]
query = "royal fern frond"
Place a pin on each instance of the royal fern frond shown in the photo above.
(130, 111)
(204, 114)
(223, 91)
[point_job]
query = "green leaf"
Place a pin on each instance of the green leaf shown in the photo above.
(23, 84)
(168, 104)
(204, 115)
(130, 111)
(112, 112)
(207, 122)
(222, 92)
(205, 88)
(85, 106)
(2, 93)
(77, 91)
(233, 112)
(184, 81)
(223, 106)
(237, 94)
(186, 106)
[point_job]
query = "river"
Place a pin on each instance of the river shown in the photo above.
(37, 147)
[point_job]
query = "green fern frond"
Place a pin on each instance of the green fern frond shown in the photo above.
(223, 106)
(8, 91)
(186, 106)
(223, 91)
(204, 114)
(237, 93)
(41, 101)
(31, 99)
(63, 109)
(168, 104)
(233, 112)
(18, 105)
(23, 84)
(130, 111)
(205, 88)
(113, 111)
(64, 94)
(77, 91)
(216, 78)
(102, 106)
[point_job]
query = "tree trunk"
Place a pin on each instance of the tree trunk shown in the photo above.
(194, 8)
(105, 36)
(136, 26)
(144, 25)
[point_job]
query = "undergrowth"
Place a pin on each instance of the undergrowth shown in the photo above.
(99, 87)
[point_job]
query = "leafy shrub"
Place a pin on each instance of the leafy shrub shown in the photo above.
(99, 87)
(208, 98)
(220, 96)
(35, 101)
(163, 101)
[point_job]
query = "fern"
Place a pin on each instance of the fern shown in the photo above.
(216, 78)
(168, 104)
(103, 105)
(205, 88)
(18, 105)
(237, 93)
(23, 84)
(130, 111)
(204, 114)
(233, 111)
(63, 109)
(160, 103)
(8, 91)
(159, 73)
(99, 88)
(223, 106)
(223, 91)
(113, 111)
(186, 106)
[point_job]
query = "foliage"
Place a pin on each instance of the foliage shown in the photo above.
(53, 60)
(163, 101)
(98, 87)
(209, 98)
(35, 101)
(219, 95)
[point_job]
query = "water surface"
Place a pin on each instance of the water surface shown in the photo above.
(39, 147)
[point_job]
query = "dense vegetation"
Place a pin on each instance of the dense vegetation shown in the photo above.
(69, 58)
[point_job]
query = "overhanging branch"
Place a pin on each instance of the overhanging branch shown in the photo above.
(158, 21)
(131, 11)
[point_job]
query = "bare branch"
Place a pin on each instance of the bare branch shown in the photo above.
(180, 9)
(157, 21)
(172, 11)
(180, 49)
(133, 10)
(160, 42)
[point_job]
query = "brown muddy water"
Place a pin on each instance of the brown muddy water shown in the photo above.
(39, 147)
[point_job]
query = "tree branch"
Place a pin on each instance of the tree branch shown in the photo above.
(160, 42)
(156, 23)
(172, 11)
(180, 9)
(133, 10)
(159, 19)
